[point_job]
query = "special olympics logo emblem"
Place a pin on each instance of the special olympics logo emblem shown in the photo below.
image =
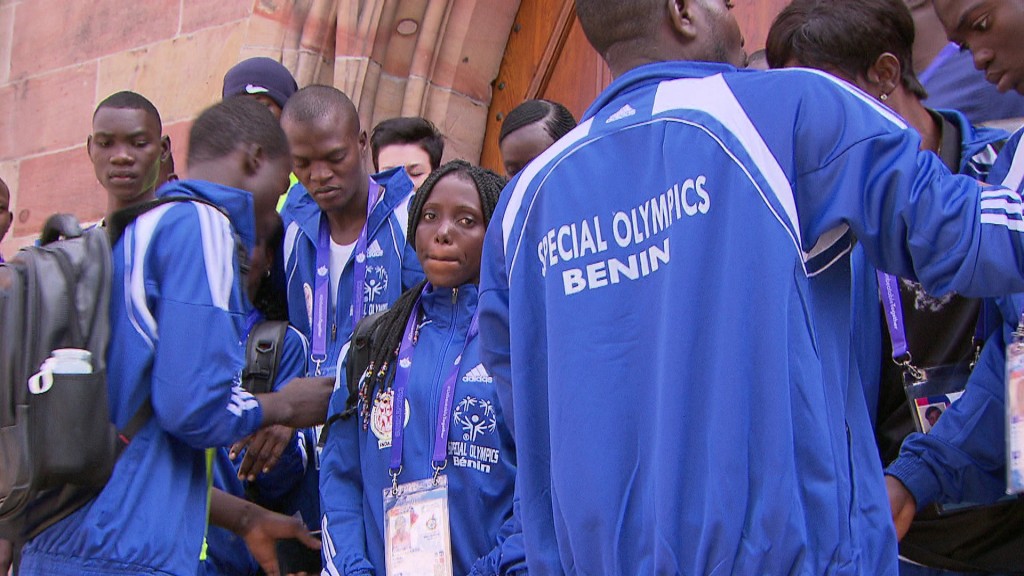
(475, 417)
(376, 282)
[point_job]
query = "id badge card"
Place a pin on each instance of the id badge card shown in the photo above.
(417, 535)
(931, 392)
(1015, 418)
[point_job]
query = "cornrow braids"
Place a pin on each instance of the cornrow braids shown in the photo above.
(557, 119)
(384, 347)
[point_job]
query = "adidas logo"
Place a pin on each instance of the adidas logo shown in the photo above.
(624, 112)
(374, 251)
(478, 374)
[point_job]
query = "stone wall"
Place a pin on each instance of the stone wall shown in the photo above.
(434, 58)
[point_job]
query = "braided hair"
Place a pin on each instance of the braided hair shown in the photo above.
(557, 119)
(390, 328)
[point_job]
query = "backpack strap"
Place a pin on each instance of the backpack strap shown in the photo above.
(263, 351)
(120, 220)
(141, 417)
(358, 360)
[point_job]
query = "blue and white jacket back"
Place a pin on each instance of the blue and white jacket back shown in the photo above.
(391, 264)
(481, 455)
(176, 311)
(665, 308)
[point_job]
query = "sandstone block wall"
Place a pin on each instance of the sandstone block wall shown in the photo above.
(60, 58)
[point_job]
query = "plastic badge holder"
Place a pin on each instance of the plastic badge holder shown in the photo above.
(931, 392)
(417, 537)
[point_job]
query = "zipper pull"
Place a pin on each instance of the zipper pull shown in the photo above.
(334, 331)
(455, 295)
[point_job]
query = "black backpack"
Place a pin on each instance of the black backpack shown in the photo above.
(58, 447)
(263, 356)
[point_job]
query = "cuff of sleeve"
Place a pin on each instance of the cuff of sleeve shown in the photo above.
(919, 480)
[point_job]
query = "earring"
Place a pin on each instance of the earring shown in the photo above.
(883, 97)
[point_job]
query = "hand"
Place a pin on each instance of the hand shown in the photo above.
(300, 404)
(262, 450)
(903, 505)
(263, 531)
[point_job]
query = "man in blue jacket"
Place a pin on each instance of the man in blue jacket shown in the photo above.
(346, 255)
(868, 43)
(964, 456)
(177, 308)
(694, 233)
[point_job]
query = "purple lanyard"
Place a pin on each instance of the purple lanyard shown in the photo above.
(321, 290)
(892, 304)
(889, 290)
(439, 458)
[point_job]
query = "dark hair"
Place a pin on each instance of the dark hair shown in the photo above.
(270, 298)
(845, 35)
(408, 130)
(391, 326)
(609, 22)
(932, 410)
(225, 126)
(127, 100)
(558, 121)
(317, 102)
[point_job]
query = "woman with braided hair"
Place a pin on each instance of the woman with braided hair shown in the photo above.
(419, 474)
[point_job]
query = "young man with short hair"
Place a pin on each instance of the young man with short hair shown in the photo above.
(346, 254)
(964, 456)
(127, 149)
(177, 309)
(408, 141)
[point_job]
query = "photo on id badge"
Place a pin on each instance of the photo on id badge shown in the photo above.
(930, 408)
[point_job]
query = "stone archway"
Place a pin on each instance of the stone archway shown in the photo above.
(435, 59)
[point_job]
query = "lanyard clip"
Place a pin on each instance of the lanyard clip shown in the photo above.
(906, 362)
(438, 469)
(394, 480)
(317, 362)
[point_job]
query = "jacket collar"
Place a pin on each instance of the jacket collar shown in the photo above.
(652, 74)
(237, 204)
(306, 213)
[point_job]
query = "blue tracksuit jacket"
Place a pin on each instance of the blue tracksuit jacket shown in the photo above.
(979, 149)
(282, 489)
(481, 456)
(176, 311)
(963, 457)
(391, 263)
(665, 307)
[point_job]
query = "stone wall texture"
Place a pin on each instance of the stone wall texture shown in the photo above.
(60, 58)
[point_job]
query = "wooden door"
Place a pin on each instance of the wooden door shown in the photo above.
(548, 56)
